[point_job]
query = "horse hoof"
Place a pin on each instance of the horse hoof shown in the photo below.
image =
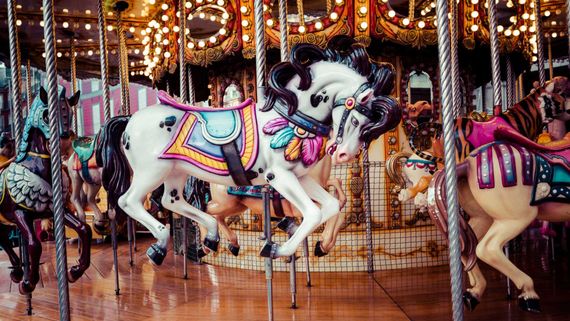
(201, 252)
(74, 274)
(101, 229)
(44, 236)
(319, 250)
(26, 287)
(17, 275)
(233, 249)
(269, 250)
(470, 301)
(288, 225)
(288, 260)
(212, 245)
(156, 254)
(530, 305)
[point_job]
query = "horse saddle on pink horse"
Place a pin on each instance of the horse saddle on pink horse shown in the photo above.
(222, 141)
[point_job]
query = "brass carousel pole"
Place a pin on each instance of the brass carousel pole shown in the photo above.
(73, 82)
(102, 25)
(568, 27)
(121, 6)
(495, 59)
(510, 82)
(29, 94)
(55, 154)
(539, 43)
(550, 67)
(456, 268)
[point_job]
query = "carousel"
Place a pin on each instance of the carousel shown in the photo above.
(284, 160)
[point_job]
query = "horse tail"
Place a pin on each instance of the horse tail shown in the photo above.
(437, 127)
(393, 168)
(437, 208)
(116, 176)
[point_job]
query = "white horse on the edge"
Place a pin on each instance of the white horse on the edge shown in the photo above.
(338, 89)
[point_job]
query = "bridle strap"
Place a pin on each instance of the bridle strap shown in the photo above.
(350, 103)
(303, 121)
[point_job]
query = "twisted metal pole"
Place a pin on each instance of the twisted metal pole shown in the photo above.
(73, 82)
(510, 82)
(104, 58)
(102, 25)
(29, 95)
(55, 155)
(259, 49)
(16, 73)
(568, 26)
(181, 53)
(123, 65)
(268, 260)
(455, 265)
(368, 217)
(495, 59)
(539, 42)
(456, 79)
(283, 30)
(550, 67)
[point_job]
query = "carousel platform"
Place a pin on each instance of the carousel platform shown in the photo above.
(221, 293)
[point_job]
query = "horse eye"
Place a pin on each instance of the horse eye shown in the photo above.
(354, 121)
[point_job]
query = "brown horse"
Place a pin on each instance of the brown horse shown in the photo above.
(26, 193)
(503, 187)
(224, 204)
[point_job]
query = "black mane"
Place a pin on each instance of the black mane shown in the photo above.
(340, 49)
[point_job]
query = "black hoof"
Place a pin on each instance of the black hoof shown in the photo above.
(269, 250)
(470, 301)
(319, 250)
(101, 228)
(26, 287)
(233, 249)
(288, 259)
(74, 274)
(201, 252)
(288, 225)
(212, 244)
(156, 254)
(530, 305)
(17, 274)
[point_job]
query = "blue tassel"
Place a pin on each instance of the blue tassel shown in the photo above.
(282, 138)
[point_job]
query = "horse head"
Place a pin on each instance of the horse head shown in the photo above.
(338, 88)
(38, 120)
(555, 102)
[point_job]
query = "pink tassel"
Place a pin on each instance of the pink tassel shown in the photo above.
(275, 125)
(310, 150)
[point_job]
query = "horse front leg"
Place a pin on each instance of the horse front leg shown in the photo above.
(299, 192)
(85, 235)
(17, 272)
(99, 223)
(25, 224)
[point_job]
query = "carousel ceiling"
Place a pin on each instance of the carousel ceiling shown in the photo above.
(218, 28)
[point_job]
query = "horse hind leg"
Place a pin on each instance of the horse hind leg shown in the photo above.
(76, 188)
(131, 202)
(17, 272)
(25, 224)
(98, 223)
(490, 250)
(85, 235)
(173, 200)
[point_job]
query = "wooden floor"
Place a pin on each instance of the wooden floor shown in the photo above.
(214, 293)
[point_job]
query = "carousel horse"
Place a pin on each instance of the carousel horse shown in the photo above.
(541, 106)
(228, 201)
(85, 177)
(338, 89)
(503, 187)
(26, 193)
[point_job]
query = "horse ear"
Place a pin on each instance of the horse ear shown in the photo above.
(43, 95)
(73, 100)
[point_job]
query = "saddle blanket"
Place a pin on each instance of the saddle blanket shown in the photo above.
(202, 132)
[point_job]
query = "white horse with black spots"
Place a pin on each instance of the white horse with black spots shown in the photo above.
(338, 89)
